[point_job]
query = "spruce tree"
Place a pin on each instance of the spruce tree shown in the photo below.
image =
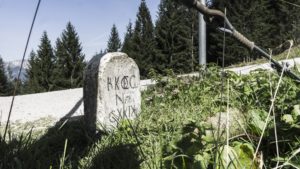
(268, 23)
(114, 42)
(31, 84)
(175, 37)
(70, 62)
(278, 22)
(294, 13)
(143, 42)
(10, 73)
(127, 44)
(4, 83)
(45, 61)
(249, 18)
(284, 19)
(102, 52)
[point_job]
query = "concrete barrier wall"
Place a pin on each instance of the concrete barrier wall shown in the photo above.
(61, 103)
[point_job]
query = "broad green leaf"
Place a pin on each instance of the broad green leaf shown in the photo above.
(296, 112)
(227, 159)
(287, 118)
(240, 156)
(256, 121)
(201, 161)
(245, 153)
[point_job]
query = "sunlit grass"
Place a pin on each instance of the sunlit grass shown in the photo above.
(176, 129)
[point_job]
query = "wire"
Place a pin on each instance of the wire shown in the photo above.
(222, 79)
(271, 107)
(20, 70)
(296, 5)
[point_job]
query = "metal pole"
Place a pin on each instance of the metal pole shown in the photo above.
(202, 38)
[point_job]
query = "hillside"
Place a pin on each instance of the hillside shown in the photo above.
(179, 118)
(177, 127)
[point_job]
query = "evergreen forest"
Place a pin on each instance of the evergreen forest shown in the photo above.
(169, 42)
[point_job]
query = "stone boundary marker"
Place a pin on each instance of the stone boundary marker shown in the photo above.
(111, 90)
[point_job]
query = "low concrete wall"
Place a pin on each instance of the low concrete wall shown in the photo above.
(58, 104)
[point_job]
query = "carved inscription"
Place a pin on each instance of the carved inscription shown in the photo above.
(121, 82)
(122, 89)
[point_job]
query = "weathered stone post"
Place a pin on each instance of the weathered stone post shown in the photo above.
(111, 90)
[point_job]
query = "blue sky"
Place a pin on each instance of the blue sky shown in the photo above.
(92, 19)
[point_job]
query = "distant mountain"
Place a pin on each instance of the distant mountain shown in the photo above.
(13, 67)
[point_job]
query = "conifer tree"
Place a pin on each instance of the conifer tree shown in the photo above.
(143, 42)
(294, 13)
(127, 44)
(4, 83)
(31, 84)
(283, 18)
(10, 73)
(114, 42)
(70, 62)
(175, 37)
(268, 23)
(278, 22)
(45, 61)
(102, 52)
(249, 18)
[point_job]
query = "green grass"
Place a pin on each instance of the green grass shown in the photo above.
(38, 127)
(174, 129)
